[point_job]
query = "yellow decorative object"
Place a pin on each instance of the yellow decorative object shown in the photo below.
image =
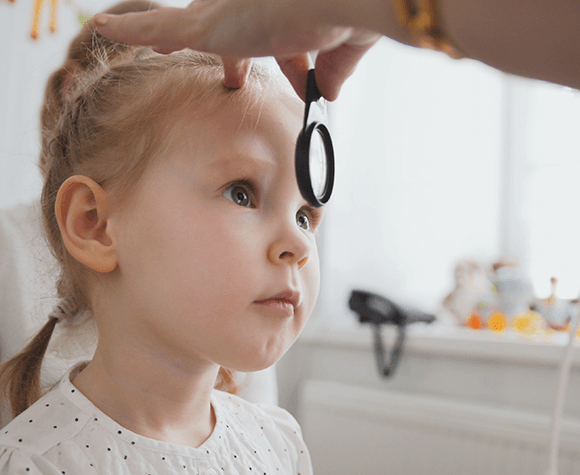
(528, 323)
(36, 17)
(496, 322)
(37, 12)
(53, 15)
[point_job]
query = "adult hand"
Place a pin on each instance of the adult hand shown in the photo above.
(242, 29)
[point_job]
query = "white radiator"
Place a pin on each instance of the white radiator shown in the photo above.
(353, 430)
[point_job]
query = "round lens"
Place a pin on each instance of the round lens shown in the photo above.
(317, 163)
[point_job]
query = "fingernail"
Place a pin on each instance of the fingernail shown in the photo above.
(100, 20)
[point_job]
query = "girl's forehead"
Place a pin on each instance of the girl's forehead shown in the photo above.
(244, 115)
(245, 106)
(239, 134)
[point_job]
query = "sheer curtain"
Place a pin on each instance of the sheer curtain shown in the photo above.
(420, 148)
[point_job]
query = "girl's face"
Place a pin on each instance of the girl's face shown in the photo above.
(217, 255)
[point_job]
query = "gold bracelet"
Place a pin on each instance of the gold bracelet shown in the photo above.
(424, 26)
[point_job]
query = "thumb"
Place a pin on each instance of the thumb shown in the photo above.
(334, 66)
(296, 70)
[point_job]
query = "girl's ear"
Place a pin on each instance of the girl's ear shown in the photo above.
(82, 211)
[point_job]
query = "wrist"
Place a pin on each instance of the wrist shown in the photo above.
(422, 19)
(374, 15)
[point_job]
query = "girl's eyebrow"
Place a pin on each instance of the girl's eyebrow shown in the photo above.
(238, 163)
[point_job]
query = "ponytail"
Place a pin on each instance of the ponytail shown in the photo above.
(226, 381)
(20, 385)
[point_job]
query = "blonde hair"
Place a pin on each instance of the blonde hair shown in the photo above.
(106, 114)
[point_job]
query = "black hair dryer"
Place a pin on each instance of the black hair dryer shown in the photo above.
(378, 310)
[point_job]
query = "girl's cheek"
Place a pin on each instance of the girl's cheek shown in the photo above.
(247, 220)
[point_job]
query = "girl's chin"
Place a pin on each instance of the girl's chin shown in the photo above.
(255, 364)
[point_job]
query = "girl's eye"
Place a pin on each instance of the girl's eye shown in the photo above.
(239, 195)
(303, 220)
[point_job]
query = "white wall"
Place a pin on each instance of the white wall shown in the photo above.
(25, 66)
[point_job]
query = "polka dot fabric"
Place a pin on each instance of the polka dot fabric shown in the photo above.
(64, 433)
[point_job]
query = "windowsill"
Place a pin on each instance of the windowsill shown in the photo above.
(445, 340)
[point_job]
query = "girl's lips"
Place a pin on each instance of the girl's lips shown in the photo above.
(284, 302)
(278, 305)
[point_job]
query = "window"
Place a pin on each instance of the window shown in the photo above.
(546, 154)
(439, 160)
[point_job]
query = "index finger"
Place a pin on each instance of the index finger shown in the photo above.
(236, 71)
(167, 28)
(333, 67)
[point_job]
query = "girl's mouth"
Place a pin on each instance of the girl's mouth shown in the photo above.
(284, 302)
(282, 306)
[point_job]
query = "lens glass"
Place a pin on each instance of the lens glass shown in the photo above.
(317, 163)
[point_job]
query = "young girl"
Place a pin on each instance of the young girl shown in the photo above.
(171, 204)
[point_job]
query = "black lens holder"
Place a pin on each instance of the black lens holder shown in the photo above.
(315, 121)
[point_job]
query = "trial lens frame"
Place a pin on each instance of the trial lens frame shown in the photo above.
(315, 121)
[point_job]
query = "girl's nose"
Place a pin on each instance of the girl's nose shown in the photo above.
(290, 246)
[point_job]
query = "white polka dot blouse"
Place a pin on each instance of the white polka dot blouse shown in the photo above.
(64, 433)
